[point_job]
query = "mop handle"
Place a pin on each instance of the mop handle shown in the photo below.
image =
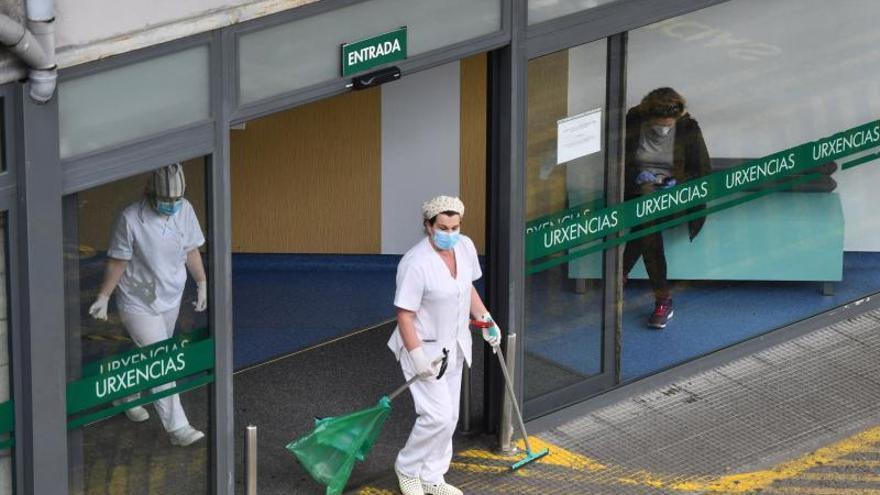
(514, 403)
(508, 383)
(440, 360)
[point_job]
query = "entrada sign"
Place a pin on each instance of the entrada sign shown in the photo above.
(359, 56)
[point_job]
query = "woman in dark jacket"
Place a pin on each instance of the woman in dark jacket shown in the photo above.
(664, 148)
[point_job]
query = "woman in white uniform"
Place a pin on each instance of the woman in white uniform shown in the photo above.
(435, 300)
(154, 241)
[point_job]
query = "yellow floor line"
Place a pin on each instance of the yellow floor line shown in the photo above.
(758, 480)
(137, 474)
(827, 476)
(870, 450)
(557, 457)
(96, 478)
(369, 490)
(477, 468)
(805, 490)
(157, 473)
(854, 463)
(118, 481)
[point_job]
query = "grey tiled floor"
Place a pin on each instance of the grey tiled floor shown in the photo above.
(751, 414)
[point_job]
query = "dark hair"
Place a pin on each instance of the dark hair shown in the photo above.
(433, 219)
(448, 213)
(662, 103)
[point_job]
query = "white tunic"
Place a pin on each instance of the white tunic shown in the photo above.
(441, 303)
(155, 247)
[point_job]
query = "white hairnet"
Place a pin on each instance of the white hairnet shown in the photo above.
(168, 181)
(438, 205)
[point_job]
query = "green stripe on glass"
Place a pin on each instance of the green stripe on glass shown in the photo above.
(161, 368)
(585, 250)
(111, 411)
(7, 417)
(124, 359)
(575, 228)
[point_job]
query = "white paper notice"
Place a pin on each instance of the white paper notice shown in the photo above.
(578, 135)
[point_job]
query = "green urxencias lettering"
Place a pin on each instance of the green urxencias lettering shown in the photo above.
(587, 224)
(139, 370)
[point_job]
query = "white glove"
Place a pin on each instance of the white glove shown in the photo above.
(201, 302)
(98, 309)
(492, 335)
(423, 367)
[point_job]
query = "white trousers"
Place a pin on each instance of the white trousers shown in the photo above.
(428, 451)
(149, 329)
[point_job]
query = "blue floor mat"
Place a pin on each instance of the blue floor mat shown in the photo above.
(284, 303)
(563, 326)
(287, 302)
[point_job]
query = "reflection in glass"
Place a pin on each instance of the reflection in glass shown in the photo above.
(775, 257)
(2, 135)
(5, 359)
(133, 101)
(137, 314)
(563, 343)
(272, 61)
(543, 10)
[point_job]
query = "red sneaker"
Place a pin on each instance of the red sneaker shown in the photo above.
(663, 312)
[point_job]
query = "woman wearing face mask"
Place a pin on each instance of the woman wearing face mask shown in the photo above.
(664, 147)
(435, 299)
(154, 241)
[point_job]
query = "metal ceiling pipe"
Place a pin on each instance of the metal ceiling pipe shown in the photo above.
(41, 22)
(35, 46)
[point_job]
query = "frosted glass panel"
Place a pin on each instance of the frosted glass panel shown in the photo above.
(137, 100)
(542, 10)
(306, 52)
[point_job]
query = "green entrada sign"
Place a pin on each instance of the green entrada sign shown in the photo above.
(584, 224)
(365, 54)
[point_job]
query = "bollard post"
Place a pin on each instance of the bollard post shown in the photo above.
(250, 460)
(466, 419)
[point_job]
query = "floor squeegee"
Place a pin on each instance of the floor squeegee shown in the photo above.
(530, 454)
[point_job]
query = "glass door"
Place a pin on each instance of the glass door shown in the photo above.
(567, 352)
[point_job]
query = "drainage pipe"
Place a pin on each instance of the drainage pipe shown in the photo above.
(35, 46)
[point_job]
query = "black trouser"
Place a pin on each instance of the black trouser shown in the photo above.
(651, 248)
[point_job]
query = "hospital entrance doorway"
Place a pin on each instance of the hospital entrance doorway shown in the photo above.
(326, 199)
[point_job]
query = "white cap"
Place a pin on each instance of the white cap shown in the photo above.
(168, 181)
(438, 205)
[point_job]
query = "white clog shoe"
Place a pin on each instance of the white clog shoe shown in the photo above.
(409, 485)
(440, 489)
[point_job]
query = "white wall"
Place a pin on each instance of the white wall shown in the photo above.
(764, 76)
(420, 150)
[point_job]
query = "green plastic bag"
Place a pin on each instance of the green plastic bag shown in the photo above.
(329, 452)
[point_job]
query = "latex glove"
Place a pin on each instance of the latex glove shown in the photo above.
(492, 335)
(668, 182)
(423, 367)
(98, 309)
(201, 302)
(646, 177)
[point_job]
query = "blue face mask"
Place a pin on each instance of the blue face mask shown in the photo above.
(168, 208)
(445, 240)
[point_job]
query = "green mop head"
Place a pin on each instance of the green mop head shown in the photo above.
(530, 456)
